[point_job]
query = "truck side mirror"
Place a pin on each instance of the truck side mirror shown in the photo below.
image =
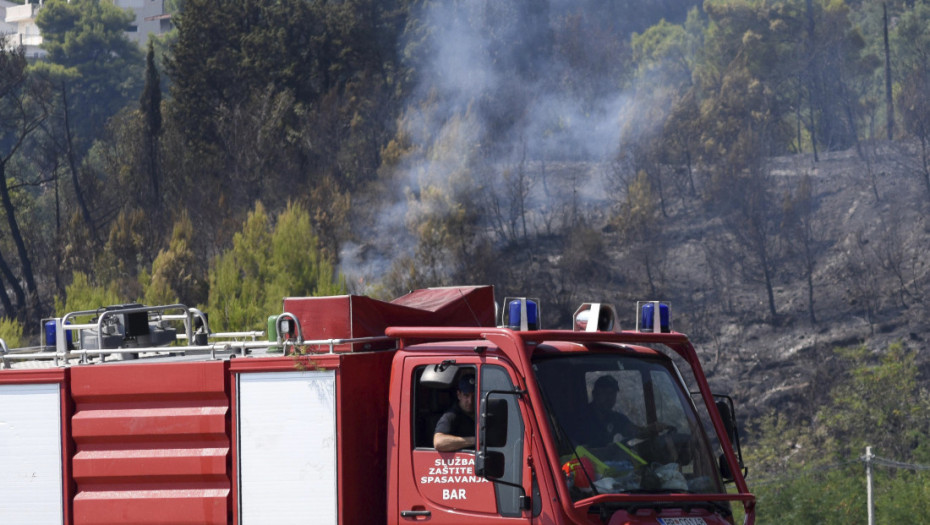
(489, 464)
(493, 431)
(728, 417)
(494, 423)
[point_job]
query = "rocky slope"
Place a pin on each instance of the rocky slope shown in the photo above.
(871, 282)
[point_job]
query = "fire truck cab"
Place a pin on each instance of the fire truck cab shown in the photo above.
(332, 418)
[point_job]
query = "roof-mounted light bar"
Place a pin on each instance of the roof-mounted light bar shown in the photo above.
(648, 311)
(595, 317)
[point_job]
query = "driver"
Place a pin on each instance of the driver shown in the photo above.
(456, 428)
(607, 426)
(633, 442)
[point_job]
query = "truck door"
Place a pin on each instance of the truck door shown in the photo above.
(442, 487)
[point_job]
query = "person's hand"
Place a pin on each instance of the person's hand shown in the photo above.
(655, 429)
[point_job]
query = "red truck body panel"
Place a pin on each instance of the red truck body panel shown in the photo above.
(362, 382)
(156, 443)
(356, 316)
(152, 443)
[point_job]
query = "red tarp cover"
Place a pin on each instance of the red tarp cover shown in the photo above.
(353, 316)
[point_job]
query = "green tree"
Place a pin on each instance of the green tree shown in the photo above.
(832, 496)
(150, 107)
(128, 250)
(85, 294)
(881, 404)
(237, 296)
(11, 331)
(96, 70)
(87, 38)
(876, 401)
(176, 275)
(267, 95)
(266, 263)
(807, 54)
(204, 65)
(665, 56)
(298, 265)
(834, 68)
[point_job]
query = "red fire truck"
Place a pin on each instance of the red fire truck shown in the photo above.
(139, 414)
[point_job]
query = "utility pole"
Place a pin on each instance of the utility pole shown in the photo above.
(868, 480)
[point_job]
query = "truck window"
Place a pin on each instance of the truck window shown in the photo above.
(624, 423)
(630, 400)
(431, 401)
(669, 410)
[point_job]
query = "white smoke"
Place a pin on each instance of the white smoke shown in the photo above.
(497, 91)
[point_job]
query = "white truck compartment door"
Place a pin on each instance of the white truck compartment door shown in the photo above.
(287, 447)
(30, 454)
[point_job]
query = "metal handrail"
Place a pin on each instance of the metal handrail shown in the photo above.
(237, 347)
(333, 343)
(238, 343)
(105, 314)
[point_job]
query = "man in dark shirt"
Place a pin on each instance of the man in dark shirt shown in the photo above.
(456, 428)
(607, 426)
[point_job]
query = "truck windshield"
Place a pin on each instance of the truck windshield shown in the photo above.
(624, 424)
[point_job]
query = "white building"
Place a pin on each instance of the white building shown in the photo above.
(6, 28)
(20, 27)
(18, 22)
(150, 19)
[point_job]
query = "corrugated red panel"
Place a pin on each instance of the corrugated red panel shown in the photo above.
(152, 443)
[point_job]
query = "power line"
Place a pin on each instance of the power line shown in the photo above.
(876, 461)
(806, 472)
(890, 463)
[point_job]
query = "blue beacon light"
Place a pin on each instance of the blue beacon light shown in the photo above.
(648, 317)
(51, 336)
(514, 318)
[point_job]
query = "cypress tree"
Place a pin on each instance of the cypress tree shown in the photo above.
(150, 106)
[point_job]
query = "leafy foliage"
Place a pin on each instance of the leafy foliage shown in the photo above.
(84, 294)
(267, 262)
(879, 403)
(11, 331)
(175, 272)
(90, 56)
